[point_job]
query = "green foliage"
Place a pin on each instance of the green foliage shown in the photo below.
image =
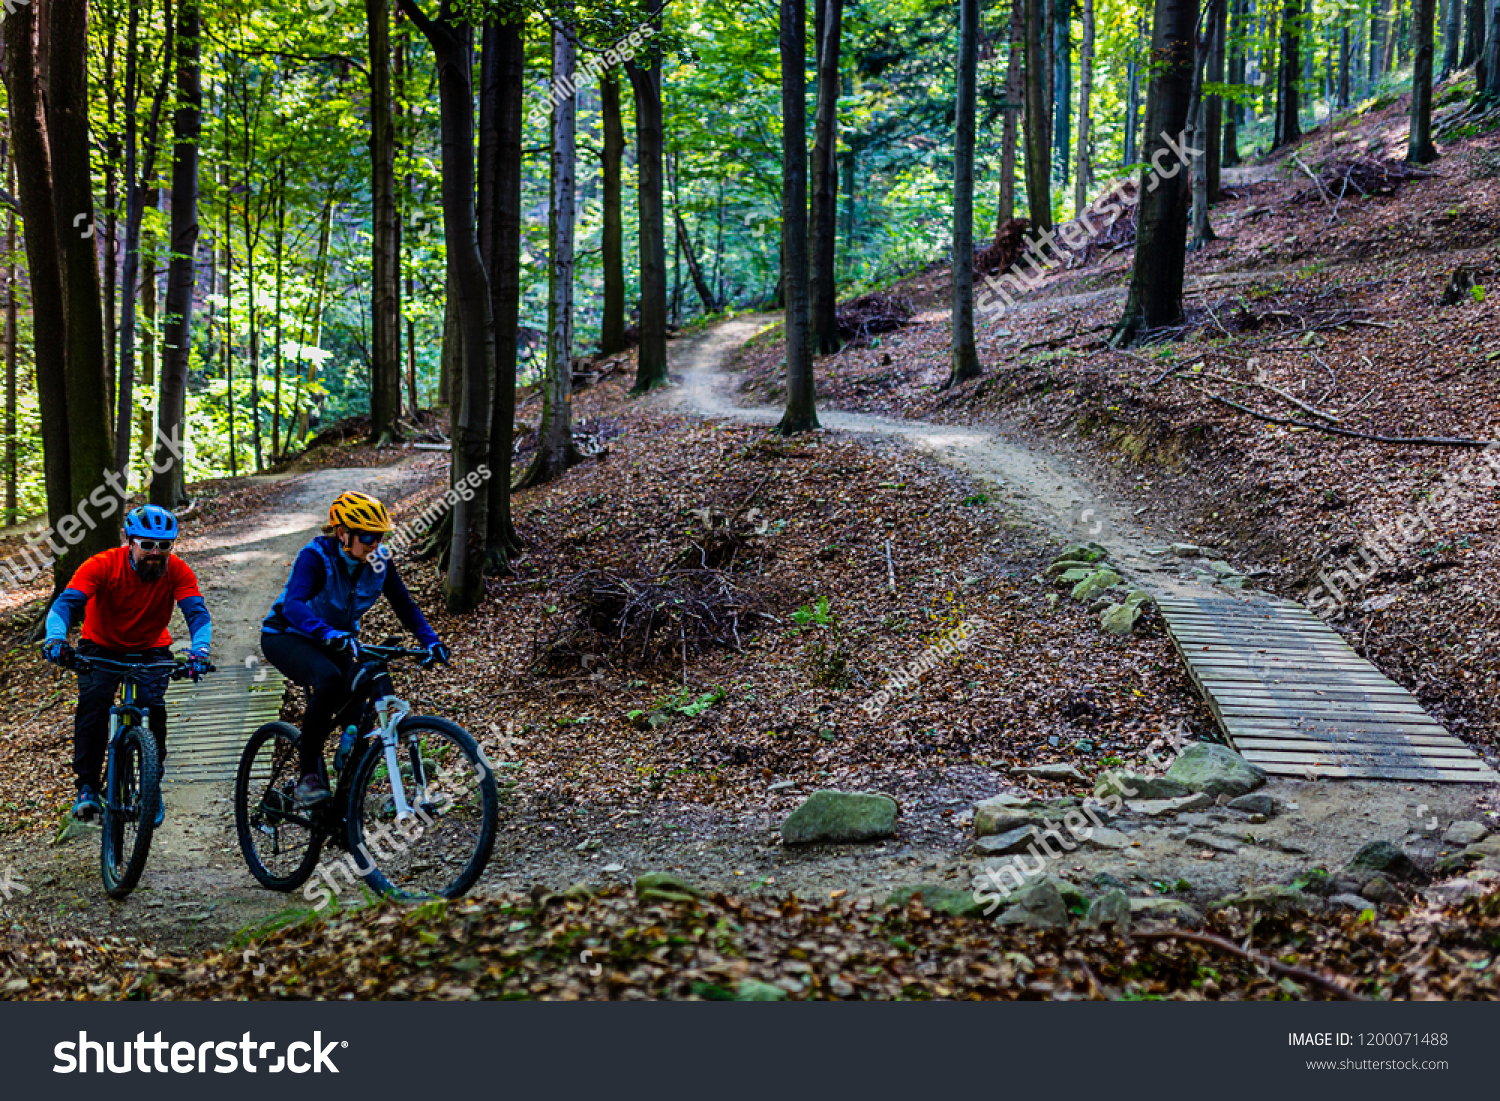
(815, 614)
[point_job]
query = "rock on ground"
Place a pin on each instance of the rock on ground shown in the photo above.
(1215, 770)
(835, 816)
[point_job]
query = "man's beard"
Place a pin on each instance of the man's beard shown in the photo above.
(151, 569)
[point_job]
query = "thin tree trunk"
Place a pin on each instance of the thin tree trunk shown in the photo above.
(385, 247)
(1015, 91)
(825, 181)
(1487, 75)
(801, 412)
(1213, 109)
(1084, 171)
(612, 324)
(168, 487)
(280, 335)
(11, 343)
(1038, 121)
(1062, 89)
(1474, 28)
(314, 340)
(1289, 74)
(1132, 106)
(1343, 93)
(645, 82)
(144, 419)
(1230, 150)
(1203, 232)
(965, 358)
(450, 38)
(1377, 28)
(503, 543)
(1453, 14)
(1155, 298)
(555, 449)
(700, 284)
(1419, 147)
(227, 274)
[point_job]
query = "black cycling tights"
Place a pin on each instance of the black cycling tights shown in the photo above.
(305, 662)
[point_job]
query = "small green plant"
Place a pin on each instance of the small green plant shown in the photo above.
(665, 710)
(975, 499)
(1477, 290)
(815, 614)
(1171, 886)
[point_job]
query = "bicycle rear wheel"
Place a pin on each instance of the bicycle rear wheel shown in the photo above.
(280, 843)
(443, 848)
(133, 793)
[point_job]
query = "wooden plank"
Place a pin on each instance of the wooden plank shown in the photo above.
(1343, 772)
(1358, 749)
(1360, 760)
(1296, 705)
(1299, 689)
(1244, 737)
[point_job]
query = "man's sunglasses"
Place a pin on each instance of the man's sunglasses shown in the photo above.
(155, 544)
(369, 538)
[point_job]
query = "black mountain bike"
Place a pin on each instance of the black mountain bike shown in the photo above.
(416, 805)
(132, 777)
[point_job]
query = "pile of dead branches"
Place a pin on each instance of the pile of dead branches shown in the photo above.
(720, 541)
(1361, 176)
(648, 619)
(871, 314)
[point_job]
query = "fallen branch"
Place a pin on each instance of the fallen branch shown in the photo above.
(1413, 441)
(1331, 984)
(1311, 411)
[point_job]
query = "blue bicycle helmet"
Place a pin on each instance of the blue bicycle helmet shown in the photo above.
(150, 522)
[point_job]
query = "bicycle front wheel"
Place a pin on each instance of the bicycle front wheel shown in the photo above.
(280, 843)
(133, 793)
(443, 847)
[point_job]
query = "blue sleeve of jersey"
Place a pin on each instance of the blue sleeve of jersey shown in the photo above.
(64, 612)
(308, 577)
(405, 607)
(195, 611)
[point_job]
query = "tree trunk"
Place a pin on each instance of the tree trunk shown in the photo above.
(801, 412)
(11, 342)
(144, 419)
(1084, 172)
(385, 253)
(280, 335)
(504, 65)
(1155, 298)
(700, 284)
(1132, 106)
(1230, 151)
(463, 587)
(1289, 73)
(965, 358)
(1474, 27)
(1203, 232)
(1453, 13)
(612, 325)
(555, 450)
(1015, 91)
(32, 159)
(1489, 72)
(67, 108)
(168, 488)
(1038, 122)
(645, 83)
(320, 291)
(1344, 90)
(1062, 88)
(825, 180)
(1419, 147)
(406, 124)
(1213, 104)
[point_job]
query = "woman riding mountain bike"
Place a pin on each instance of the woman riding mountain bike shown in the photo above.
(312, 633)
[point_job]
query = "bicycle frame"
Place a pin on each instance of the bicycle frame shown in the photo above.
(128, 707)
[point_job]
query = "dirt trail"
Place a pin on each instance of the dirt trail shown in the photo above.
(1056, 494)
(196, 888)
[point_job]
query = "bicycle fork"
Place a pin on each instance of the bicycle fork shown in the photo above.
(390, 711)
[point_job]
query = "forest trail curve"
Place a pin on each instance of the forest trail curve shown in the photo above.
(1053, 494)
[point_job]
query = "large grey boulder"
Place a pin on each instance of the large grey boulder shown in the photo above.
(1041, 907)
(1215, 770)
(1101, 580)
(1110, 908)
(840, 816)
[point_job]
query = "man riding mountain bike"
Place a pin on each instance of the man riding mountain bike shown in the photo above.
(312, 633)
(126, 597)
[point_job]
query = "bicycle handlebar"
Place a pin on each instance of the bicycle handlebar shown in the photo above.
(133, 670)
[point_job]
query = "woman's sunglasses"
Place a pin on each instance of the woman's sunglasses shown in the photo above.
(369, 538)
(155, 544)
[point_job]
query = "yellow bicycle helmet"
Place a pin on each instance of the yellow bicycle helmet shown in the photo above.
(359, 512)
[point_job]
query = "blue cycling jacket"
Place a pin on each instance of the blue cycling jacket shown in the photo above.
(329, 592)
